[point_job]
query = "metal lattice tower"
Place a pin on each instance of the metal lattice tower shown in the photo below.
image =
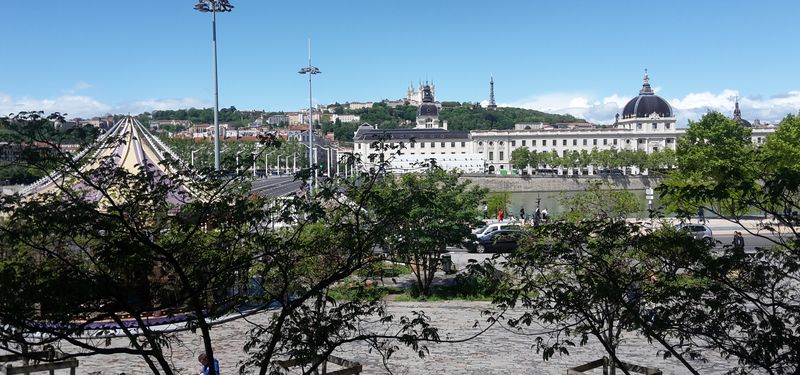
(492, 104)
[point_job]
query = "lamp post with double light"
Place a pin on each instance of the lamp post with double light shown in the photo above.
(310, 70)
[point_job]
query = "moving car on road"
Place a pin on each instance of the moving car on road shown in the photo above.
(698, 231)
(501, 241)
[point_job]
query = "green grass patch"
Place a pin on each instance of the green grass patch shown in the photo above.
(384, 269)
(355, 290)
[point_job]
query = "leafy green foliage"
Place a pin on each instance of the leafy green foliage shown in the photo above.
(496, 202)
(460, 116)
(716, 168)
(595, 279)
(745, 306)
(522, 158)
(50, 140)
(108, 243)
(231, 115)
(438, 211)
(599, 200)
(471, 117)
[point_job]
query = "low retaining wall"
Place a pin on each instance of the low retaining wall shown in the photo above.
(559, 183)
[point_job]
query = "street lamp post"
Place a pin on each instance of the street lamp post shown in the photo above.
(254, 163)
(328, 153)
(266, 164)
(237, 161)
(214, 6)
(310, 70)
(193, 151)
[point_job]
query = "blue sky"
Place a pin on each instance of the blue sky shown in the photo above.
(582, 57)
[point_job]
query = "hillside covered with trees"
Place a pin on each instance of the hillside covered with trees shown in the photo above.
(459, 116)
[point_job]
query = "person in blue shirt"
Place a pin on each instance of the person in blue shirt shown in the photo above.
(203, 359)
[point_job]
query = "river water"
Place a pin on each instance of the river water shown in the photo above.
(551, 200)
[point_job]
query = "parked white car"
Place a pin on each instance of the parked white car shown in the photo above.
(491, 227)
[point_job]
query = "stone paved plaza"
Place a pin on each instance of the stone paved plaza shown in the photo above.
(498, 351)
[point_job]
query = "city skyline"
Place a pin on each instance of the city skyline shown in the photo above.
(586, 59)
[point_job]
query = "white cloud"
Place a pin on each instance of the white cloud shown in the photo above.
(149, 105)
(86, 106)
(73, 105)
(690, 107)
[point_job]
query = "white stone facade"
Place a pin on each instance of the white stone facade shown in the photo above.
(497, 145)
(647, 124)
(345, 118)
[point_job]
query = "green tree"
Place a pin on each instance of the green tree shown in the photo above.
(717, 162)
(438, 211)
(719, 169)
(599, 199)
(496, 202)
(593, 279)
(105, 243)
(520, 158)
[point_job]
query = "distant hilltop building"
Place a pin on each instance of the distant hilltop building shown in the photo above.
(360, 105)
(416, 96)
(345, 118)
(276, 120)
(297, 118)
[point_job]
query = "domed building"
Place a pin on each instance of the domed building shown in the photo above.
(737, 116)
(647, 112)
(428, 111)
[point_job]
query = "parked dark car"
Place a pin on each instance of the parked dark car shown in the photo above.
(500, 241)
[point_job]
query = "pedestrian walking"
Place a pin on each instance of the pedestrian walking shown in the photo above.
(701, 217)
(544, 215)
(500, 215)
(204, 370)
(522, 213)
(738, 241)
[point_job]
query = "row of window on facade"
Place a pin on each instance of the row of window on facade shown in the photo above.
(422, 144)
(564, 142)
(434, 153)
(654, 125)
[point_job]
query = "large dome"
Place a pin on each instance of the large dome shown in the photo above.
(428, 107)
(647, 103)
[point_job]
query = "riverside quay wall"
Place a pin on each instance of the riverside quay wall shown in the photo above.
(501, 183)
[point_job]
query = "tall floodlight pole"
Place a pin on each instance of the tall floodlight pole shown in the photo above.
(266, 164)
(214, 6)
(310, 70)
